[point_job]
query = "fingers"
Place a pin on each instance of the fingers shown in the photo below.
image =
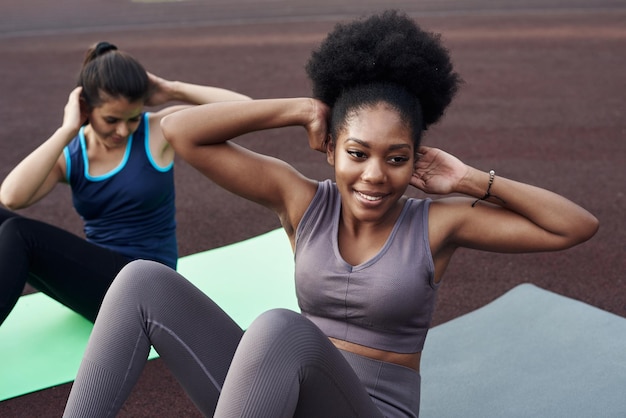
(77, 91)
(423, 150)
(152, 78)
(74, 100)
(76, 110)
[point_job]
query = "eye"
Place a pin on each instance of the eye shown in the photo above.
(357, 154)
(135, 119)
(398, 159)
(111, 121)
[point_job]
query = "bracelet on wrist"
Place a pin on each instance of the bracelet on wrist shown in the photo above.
(487, 195)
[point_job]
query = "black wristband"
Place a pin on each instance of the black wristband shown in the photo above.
(492, 175)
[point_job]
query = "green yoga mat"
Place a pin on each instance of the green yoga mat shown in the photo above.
(42, 342)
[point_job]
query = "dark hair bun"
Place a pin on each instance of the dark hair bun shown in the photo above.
(104, 47)
(98, 50)
(387, 48)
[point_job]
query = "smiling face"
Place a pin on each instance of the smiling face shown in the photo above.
(373, 157)
(113, 121)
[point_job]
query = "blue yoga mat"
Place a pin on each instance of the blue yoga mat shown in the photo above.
(529, 353)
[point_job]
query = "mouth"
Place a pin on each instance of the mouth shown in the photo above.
(370, 197)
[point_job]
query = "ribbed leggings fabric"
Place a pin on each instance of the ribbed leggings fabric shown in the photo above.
(64, 266)
(282, 366)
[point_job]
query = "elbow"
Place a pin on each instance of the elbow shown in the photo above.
(9, 200)
(584, 230)
(182, 135)
(173, 135)
(592, 225)
(167, 127)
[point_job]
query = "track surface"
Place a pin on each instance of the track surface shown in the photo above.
(543, 102)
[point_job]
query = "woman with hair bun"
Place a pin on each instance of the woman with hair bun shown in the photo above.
(119, 166)
(368, 259)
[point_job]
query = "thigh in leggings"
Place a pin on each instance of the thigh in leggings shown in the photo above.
(66, 267)
(394, 389)
(283, 366)
(150, 304)
(286, 367)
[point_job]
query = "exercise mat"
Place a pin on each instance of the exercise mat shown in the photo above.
(529, 353)
(42, 341)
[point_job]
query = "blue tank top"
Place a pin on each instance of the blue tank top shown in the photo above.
(130, 209)
(386, 302)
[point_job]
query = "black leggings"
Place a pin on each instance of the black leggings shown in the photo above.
(64, 266)
(283, 366)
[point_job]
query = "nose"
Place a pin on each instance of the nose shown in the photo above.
(122, 129)
(374, 171)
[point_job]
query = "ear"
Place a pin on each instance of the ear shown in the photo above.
(330, 151)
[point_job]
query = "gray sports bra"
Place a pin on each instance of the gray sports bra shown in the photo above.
(384, 303)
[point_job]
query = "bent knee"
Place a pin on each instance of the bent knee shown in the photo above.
(13, 228)
(284, 333)
(139, 277)
(282, 323)
(280, 317)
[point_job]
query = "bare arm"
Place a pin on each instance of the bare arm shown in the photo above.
(517, 218)
(166, 91)
(37, 174)
(201, 135)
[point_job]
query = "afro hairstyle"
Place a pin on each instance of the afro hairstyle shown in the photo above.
(387, 48)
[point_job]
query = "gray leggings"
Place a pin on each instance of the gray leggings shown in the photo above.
(283, 366)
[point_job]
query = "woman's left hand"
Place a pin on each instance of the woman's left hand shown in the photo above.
(437, 172)
(160, 91)
(317, 128)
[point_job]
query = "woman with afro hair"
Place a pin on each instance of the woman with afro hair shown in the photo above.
(368, 260)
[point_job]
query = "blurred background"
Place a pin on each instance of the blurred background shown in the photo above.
(542, 102)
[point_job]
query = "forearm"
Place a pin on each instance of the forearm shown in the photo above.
(198, 94)
(217, 123)
(550, 211)
(23, 184)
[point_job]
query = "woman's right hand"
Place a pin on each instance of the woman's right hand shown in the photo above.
(317, 128)
(35, 176)
(75, 113)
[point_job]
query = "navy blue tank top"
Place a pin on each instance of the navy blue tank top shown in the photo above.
(386, 302)
(130, 209)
